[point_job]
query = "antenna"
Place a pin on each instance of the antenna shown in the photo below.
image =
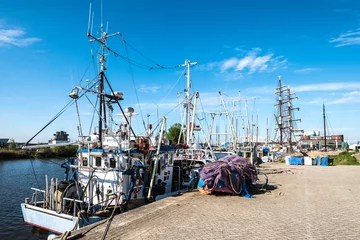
(88, 32)
(92, 23)
(101, 16)
(102, 59)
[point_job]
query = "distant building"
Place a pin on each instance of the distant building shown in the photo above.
(318, 142)
(4, 142)
(60, 137)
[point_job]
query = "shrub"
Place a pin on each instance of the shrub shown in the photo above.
(345, 158)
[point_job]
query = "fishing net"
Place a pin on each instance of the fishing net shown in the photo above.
(228, 173)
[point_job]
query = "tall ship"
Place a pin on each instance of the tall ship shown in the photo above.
(286, 122)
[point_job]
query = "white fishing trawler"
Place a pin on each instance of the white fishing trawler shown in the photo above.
(113, 168)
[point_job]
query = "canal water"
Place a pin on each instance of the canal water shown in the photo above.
(16, 179)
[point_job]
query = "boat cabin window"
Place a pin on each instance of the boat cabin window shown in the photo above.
(98, 161)
(112, 162)
(85, 161)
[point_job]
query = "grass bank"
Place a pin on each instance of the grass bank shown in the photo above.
(53, 152)
(345, 158)
(13, 154)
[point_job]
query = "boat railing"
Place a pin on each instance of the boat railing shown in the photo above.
(34, 197)
(74, 205)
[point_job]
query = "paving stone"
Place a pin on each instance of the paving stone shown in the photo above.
(313, 203)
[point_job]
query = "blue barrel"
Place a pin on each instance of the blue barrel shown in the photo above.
(325, 161)
(317, 160)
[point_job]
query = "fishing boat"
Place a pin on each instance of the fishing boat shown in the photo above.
(113, 168)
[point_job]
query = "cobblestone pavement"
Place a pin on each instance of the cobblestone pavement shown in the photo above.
(314, 202)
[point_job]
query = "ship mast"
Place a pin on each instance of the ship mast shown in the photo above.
(324, 116)
(279, 118)
(285, 118)
(102, 60)
(188, 64)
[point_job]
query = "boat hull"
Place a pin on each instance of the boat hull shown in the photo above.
(51, 220)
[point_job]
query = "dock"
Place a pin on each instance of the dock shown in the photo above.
(302, 202)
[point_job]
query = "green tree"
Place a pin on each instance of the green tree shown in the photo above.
(12, 145)
(173, 134)
(64, 151)
(43, 153)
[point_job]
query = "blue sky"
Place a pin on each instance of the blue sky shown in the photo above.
(242, 47)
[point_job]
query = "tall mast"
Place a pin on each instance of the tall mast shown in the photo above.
(279, 119)
(290, 120)
(102, 59)
(324, 116)
(257, 131)
(285, 119)
(267, 132)
(188, 64)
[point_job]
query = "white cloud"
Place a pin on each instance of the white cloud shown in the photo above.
(207, 66)
(327, 87)
(328, 93)
(317, 101)
(244, 62)
(15, 37)
(348, 38)
(149, 89)
(229, 63)
(260, 90)
(252, 62)
(234, 68)
(230, 76)
(351, 97)
(307, 70)
(210, 100)
(333, 88)
(276, 63)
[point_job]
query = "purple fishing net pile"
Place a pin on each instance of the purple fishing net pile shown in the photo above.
(219, 170)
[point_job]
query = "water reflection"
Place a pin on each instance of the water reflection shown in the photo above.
(16, 179)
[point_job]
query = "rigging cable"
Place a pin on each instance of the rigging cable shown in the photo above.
(49, 161)
(174, 108)
(78, 115)
(136, 93)
(137, 64)
(33, 169)
(328, 123)
(126, 43)
(202, 107)
(159, 66)
(121, 109)
(53, 119)
(173, 86)
(92, 62)
(71, 102)
(95, 110)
